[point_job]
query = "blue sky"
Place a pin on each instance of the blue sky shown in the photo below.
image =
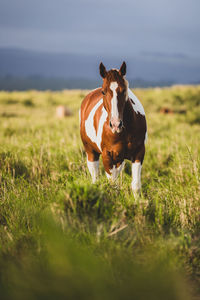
(106, 27)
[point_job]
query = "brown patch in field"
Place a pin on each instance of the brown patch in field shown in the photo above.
(63, 111)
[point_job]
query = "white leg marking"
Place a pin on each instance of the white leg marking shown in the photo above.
(93, 167)
(115, 172)
(136, 177)
(108, 176)
(114, 108)
(120, 168)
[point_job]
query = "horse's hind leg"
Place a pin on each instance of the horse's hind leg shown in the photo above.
(93, 164)
(115, 171)
(112, 171)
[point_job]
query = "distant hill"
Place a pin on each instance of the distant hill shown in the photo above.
(24, 69)
(10, 83)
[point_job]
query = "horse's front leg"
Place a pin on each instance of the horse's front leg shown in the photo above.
(136, 177)
(136, 171)
(112, 166)
(93, 165)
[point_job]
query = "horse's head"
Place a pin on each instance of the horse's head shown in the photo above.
(115, 95)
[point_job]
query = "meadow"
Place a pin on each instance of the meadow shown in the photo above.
(63, 238)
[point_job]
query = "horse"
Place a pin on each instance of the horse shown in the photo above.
(113, 124)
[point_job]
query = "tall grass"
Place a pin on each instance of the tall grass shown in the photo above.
(62, 237)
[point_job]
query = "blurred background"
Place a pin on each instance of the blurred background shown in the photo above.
(59, 44)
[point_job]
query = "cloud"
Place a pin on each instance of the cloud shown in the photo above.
(113, 27)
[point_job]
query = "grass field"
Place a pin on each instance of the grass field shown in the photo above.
(63, 238)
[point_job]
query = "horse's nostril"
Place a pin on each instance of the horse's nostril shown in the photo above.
(120, 124)
(110, 124)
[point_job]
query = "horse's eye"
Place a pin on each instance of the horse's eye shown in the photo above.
(103, 92)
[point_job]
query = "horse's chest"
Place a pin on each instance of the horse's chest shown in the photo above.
(115, 151)
(131, 145)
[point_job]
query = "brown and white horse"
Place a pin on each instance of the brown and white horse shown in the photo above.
(112, 123)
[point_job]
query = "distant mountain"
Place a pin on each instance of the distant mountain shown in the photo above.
(76, 70)
(18, 62)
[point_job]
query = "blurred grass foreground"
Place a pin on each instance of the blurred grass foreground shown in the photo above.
(63, 238)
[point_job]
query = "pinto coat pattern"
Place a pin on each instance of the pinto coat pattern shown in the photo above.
(113, 124)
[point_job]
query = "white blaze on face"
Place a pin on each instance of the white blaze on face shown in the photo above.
(114, 108)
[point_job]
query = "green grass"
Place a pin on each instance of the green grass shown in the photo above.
(62, 237)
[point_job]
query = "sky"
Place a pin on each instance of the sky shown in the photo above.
(114, 28)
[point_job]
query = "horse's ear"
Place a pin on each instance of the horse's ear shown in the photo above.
(102, 70)
(122, 70)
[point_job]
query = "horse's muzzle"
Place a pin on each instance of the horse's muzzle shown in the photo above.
(116, 125)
